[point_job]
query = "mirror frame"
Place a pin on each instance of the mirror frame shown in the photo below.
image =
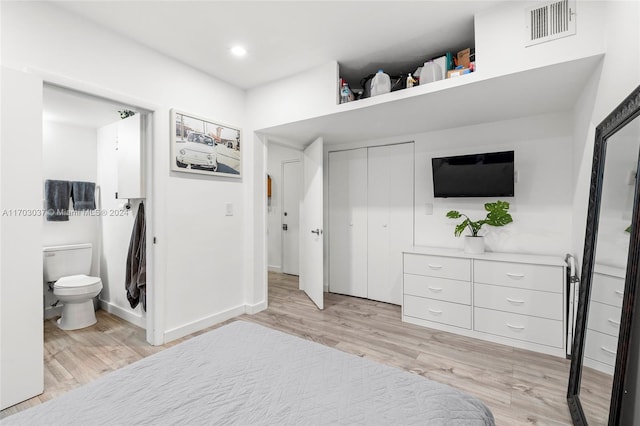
(622, 115)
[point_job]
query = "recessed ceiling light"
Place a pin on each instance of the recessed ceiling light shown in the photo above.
(238, 50)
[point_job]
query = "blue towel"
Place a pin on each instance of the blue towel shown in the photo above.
(84, 196)
(56, 195)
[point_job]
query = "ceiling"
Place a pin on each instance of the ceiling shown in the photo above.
(78, 109)
(289, 37)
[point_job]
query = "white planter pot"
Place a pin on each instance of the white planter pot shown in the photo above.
(473, 245)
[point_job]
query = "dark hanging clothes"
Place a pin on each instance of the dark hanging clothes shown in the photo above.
(136, 272)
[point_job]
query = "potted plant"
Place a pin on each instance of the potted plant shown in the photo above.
(497, 215)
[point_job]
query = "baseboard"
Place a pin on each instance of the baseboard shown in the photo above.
(277, 269)
(126, 315)
(254, 309)
(192, 327)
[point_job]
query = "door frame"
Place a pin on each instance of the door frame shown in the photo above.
(282, 165)
(155, 302)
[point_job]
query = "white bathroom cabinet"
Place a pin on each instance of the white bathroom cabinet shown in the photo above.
(130, 159)
(370, 220)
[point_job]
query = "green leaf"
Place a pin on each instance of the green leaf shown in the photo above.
(461, 227)
(453, 214)
(628, 229)
(498, 205)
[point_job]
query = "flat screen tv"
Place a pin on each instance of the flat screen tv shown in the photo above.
(477, 175)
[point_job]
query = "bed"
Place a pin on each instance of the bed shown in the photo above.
(244, 373)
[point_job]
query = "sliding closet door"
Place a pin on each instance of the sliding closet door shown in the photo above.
(390, 218)
(348, 222)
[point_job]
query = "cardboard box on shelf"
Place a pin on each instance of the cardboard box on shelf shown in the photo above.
(466, 56)
(458, 72)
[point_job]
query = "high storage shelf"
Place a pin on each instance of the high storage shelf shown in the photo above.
(513, 299)
(406, 68)
(471, 99)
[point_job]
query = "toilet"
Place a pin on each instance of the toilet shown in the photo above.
(68, 268)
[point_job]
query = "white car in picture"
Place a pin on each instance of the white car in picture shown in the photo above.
(198, 151)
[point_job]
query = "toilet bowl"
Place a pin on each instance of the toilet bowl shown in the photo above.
(76, 292)
(67, 268)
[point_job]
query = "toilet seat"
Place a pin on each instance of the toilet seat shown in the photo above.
(76, 285)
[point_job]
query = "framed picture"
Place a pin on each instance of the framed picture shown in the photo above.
(203, 146)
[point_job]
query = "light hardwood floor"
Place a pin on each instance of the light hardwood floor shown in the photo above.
(519, 386)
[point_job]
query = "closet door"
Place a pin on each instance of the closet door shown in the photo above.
(390, 218)
(348, 222)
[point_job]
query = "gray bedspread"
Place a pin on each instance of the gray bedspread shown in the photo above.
(247, 374)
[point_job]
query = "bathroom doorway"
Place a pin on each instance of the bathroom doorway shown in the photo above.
(83, 141)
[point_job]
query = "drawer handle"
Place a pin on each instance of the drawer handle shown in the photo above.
(519, 302)
(434, 266)
(515, 327)
(613, 322)
(620, 292)
(434, 311)
(609, 351)
(436, 289)
(512, 275)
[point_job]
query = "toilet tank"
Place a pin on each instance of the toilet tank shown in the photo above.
(62, 261)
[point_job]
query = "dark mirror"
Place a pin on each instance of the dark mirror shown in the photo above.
(609, 271)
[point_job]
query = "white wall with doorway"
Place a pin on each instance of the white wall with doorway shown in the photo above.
(69, 153)
(199, 261)
(277, 155)
(116, 225)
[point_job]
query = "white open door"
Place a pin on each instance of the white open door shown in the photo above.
(21, 193)
(311, 221)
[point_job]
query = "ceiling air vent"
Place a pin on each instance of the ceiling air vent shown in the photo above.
(551, 21)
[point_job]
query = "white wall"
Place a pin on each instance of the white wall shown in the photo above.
(607, 88)
(541, 208)
(69, 153)
(500, 35)
(116, 226)
(309, 94)
(276, 155)
(198, 262)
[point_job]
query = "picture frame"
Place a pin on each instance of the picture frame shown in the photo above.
(204, 146)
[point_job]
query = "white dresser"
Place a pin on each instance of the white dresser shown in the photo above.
(603, 321)
(513, 299)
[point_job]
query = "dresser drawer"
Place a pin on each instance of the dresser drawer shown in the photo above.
(437, 266)
(438, 288)
(522, 275)
(437, 311)
(521, 327)
(607, 289)
(601, 347)
(604, 318)
(520, 301)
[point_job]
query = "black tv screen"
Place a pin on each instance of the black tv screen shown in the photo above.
(477, 175)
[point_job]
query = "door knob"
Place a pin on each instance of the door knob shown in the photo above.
(316, 231)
